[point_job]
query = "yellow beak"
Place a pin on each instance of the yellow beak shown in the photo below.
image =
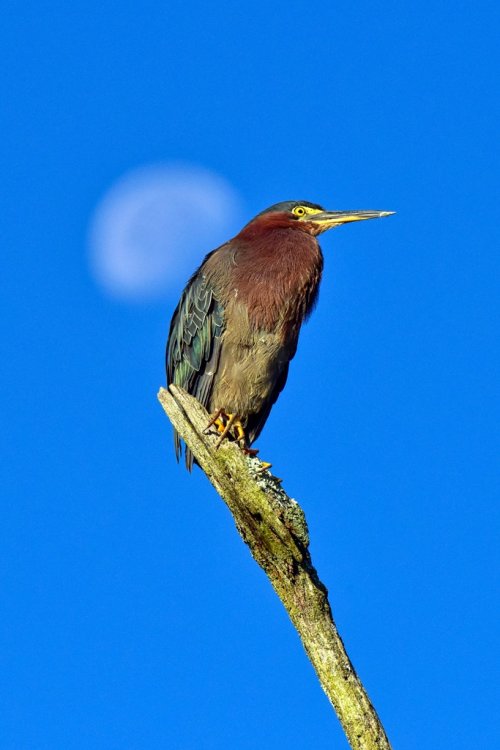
(328, 219)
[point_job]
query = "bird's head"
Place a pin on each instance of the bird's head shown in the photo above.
(308, 217)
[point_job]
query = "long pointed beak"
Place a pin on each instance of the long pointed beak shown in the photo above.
(328, 219)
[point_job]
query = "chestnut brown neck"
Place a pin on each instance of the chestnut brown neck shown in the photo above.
(277, 273)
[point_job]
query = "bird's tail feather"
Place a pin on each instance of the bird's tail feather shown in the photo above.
(188, 456)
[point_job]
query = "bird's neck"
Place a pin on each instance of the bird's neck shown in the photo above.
(276, 275)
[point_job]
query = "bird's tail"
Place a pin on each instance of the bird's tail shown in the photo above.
(188, 456)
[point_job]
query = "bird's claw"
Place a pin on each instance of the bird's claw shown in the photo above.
(227, 429)
(249, 451)
(229, 425)
(216, 419)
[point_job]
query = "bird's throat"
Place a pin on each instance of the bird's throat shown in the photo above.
(276, 276)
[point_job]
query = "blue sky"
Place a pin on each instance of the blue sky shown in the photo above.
(133, 615)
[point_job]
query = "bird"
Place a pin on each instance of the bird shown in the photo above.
(236, 327)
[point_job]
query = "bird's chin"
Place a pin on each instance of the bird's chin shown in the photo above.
(314, 229)
(322, 229)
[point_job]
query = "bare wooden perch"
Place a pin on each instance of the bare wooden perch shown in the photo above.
(274, 527)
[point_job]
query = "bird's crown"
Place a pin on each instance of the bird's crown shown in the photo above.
(295, 208)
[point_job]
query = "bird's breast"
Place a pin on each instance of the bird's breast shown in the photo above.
(266, 287)
(252, 361)
(276, 279)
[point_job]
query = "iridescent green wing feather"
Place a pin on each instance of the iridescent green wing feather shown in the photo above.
(193, 347)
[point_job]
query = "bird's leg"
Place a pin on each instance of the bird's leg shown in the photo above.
(239, 434)
(217, 419)
(231, 418)
(227, 424)
(230, 424)
(242, 440)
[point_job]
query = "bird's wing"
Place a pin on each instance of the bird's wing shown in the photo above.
(194, 343)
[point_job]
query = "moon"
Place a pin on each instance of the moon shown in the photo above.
(154, 226)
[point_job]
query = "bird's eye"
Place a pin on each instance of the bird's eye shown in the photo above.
(299, 210)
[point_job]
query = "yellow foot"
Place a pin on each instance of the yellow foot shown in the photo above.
(219, 424)
(216, 419)
(265, 466)
(231, 418)
(229, 425)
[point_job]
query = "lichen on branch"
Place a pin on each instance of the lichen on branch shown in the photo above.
(274, 527)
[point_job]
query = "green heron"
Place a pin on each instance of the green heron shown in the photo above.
(237, 324)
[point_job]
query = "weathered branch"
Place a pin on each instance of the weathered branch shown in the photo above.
(274, 527)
